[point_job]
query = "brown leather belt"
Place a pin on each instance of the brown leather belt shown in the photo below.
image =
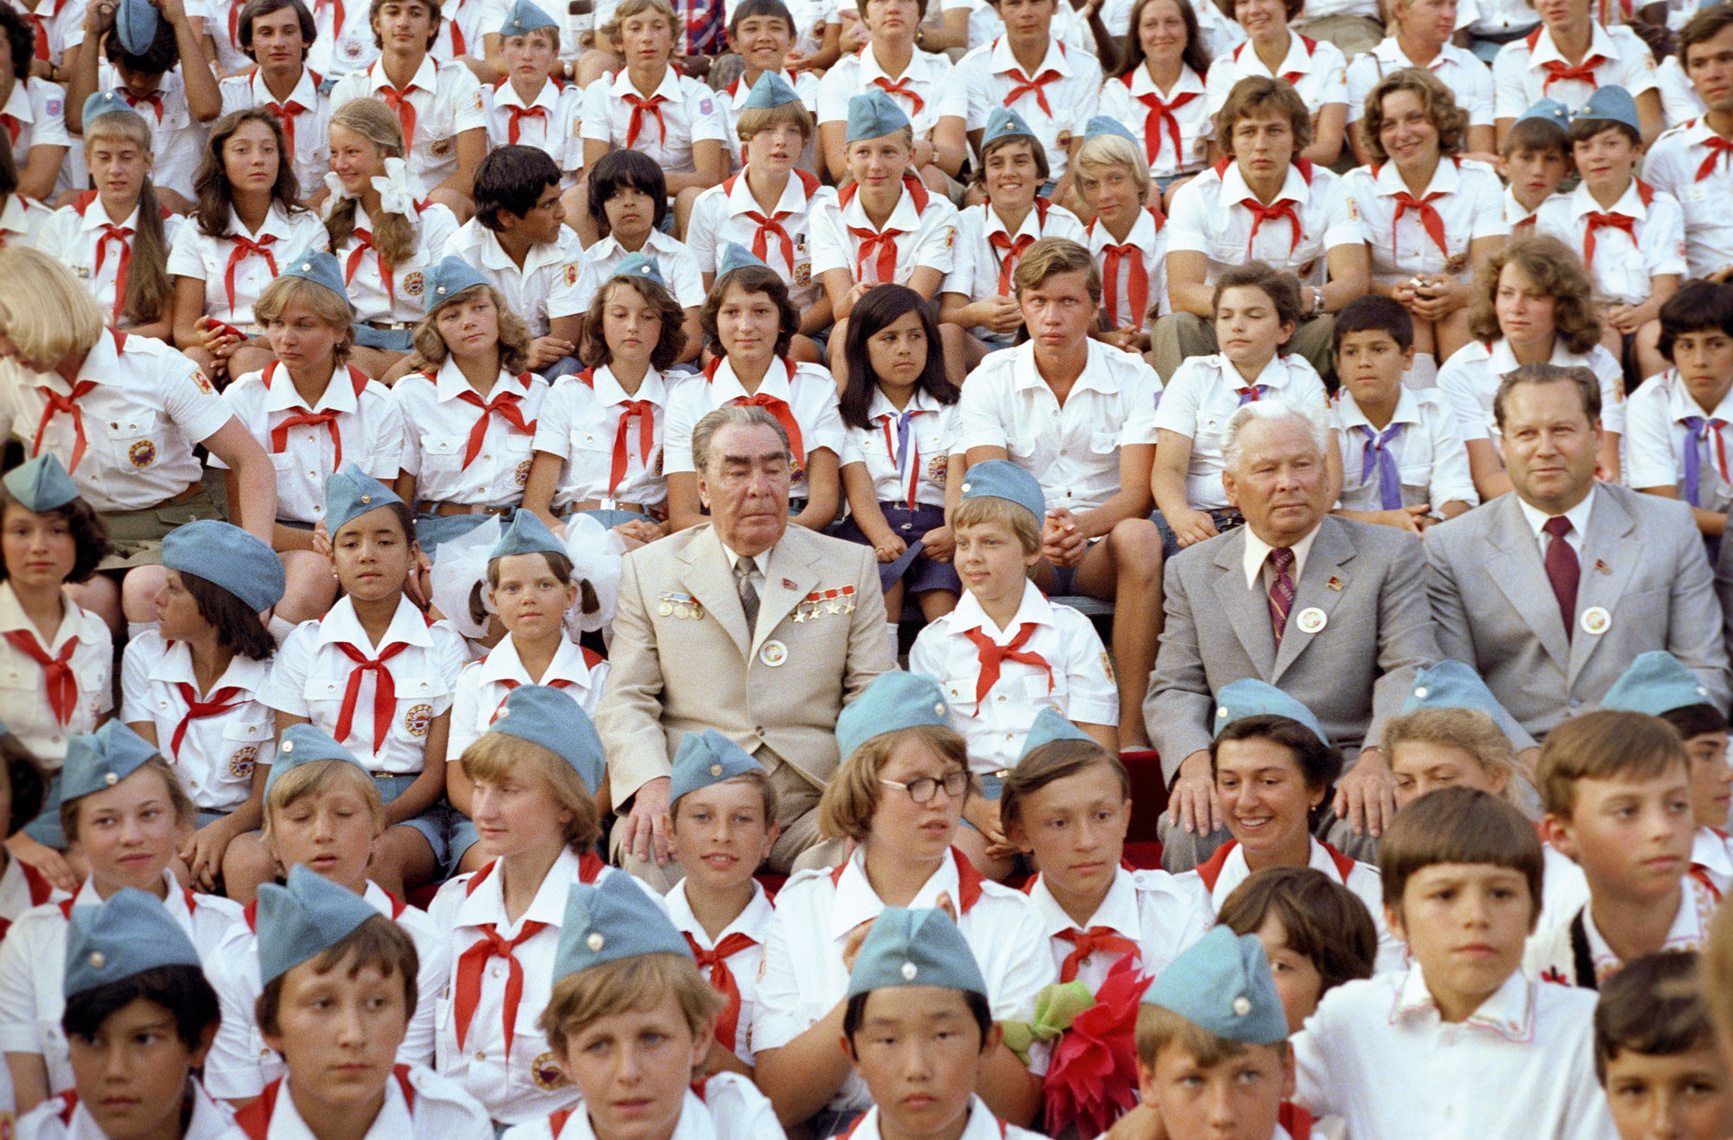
(447, 510)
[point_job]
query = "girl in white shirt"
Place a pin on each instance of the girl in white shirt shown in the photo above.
(1158, 90)
(1316, 70)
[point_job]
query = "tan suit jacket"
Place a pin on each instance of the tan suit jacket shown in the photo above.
(683, 659)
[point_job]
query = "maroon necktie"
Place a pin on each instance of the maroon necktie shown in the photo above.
(1562, 569)
(1281, 589)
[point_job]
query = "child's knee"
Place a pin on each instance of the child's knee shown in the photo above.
(1136, 546)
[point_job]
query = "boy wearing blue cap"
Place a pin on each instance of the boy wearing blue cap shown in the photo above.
(277, 37)
(993, 236)
(1461, 877)
(722, 813)
(339, 993)
(1537, 155)
(139, 1017)
(191, 685)
(918, 1028)
(1632, 236)
(1006, 652)
(1128, 231)
(630, 1020)
(529, 106)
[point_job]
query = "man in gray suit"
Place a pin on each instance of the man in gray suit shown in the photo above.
(1331, 611)
(1550, 592)
(758, 629)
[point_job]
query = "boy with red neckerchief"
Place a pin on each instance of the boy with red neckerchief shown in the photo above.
(529, 106)
(1691, 161)
(1570, 57)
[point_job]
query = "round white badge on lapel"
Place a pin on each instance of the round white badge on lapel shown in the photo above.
(1311, 620)
(1596, 619)
(773, 653)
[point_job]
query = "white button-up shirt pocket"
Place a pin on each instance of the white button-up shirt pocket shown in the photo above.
(442, 455)
(421, 696)
(1104, 442)
(960, 692)
(134, 441)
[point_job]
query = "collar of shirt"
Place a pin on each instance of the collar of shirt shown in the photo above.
(905, 216)
(1294, 187)
(338, 396)
(995, 224)
(856, 901)
(1680, 402)
(175, 666)
(608, 246)
(1349, 414)
(1299, 58)
(341, 626)
(1514, 211)
(12, 617)
(751, 922)
(175, 901)
(208, 1122)
(726, 386)
(1709, 849)
(14, 217)
(485, 906)
(1445, 177)
(1600, 44)
(669, 88)
(1142, 84)
(484, 243)
(306, 92)
(1509, 1012)
(1687, 932)
(695, 1123)
(760, 561)
(505, 95)
(1258, 552)
(18, 103)
(1118, 908)
(1033, 607)
(870, 70)
(1579, 516)
(920, 401)
(426, 76)
(1003, 60)
(607, 389)
(393, 1119)
(1095, 376)
(1500, 359)
(1630, 203)
(1142, 235)
(379, 898)
(503, 664)
(793, 198)
(982, 1124)
(276, 224)
(1698, 131)
(95, 217)
(451, 383)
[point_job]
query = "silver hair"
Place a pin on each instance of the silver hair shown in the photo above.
(735, 415)
(1276, 409)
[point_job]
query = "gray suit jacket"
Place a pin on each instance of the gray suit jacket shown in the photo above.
(686, 667)
(1353, 674)
(1642, 561)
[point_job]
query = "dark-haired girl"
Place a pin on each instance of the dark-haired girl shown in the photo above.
(1157, 90)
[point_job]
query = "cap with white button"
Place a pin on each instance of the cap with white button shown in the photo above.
(304, 744)
(550, 717)
(451, 277)
(1657, 683)
(890, 703)
(351, 493)
(915, 947)
(1223, 984)
(611, 920)
(129, 933)
(1002, 479)
(1240, 699)
(706, 758)
(1455, 685)
(304, 919)
(102, 759)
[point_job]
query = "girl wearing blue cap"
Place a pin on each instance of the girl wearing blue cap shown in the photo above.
(385, 239)
(469, 413)
(275, 36)
(116, 237)
(599, 436)
(245, 220)
(191, 686)
(1158, 88)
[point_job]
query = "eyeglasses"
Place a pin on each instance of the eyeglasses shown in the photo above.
(922, 789)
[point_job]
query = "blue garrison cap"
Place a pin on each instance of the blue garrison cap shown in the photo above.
(1223, 984)
(735, 256)
(920, 947)
(1611, 104)
(102, 103)
(527, 534)
(1454, 685)
(1002, 479)
(873, 116)
(544, 715)
(638, 265)
(102, 759)
(706, 758)
(1005, 123)
(1550, 110)
(1656, 683)
(225, 555)
(129, 933)
(525, 18)
(890, 702)
(1106, 125)
(771, 90)
(351, 493)
(321, 268)
(136, 22)
(304, 744)
(453, 275)
(1050, 725)
(304, 919)
(1249, 697)
(41, 484)
(611, 920)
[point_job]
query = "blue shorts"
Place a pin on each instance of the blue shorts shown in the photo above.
(1224, 521)
(918, 573)
(431, 530)
(434, 823)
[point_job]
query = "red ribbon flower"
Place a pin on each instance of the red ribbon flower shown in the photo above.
(1092, 1078)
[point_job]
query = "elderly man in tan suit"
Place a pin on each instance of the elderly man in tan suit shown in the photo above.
(758, 629)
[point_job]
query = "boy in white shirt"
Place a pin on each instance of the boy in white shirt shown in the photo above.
(1537, 156)
(1568, 58)
(529, 106)
(1691, 161)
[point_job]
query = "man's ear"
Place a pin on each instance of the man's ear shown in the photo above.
(1228, 488)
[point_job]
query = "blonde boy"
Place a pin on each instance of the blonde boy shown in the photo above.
(1128, 235)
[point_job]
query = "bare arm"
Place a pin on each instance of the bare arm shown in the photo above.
(1186, 290)
(255, 478)
(471, 149)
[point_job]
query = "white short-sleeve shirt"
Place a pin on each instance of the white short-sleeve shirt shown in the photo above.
(1315, 68)
(923, 463)
(1174, 131)
(1469, 206)
(542, 289)
(1657, 440)
(197, 255)
(1164, 914)
(177, 139)
(549, 122)
(1682, 164)
(305, 115)
(1470, 378)
(596, 430)
(676, 260)
(1073, 450)
(689, 113)
(1623, 265)
(1209, 217)
(344, 41)
(82, 237)
(921, 232)
(22, 220)
(1469, 80)
(1679, 101)
(438, 423)
(483, 685)
(1076, 681)
(36, 111)
(59, 25)
(23, 686)
(807, 390)
(446, 101)
(729, 213)
(986, 252)
(743, 964)
(393, 294)
(928, 90)
(1521, 76)
(1057, 99)
(1145, 249)
(1431, 457)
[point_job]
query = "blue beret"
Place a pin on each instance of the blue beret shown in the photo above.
(453, 275)
(1002, 479)
(304, 919)
(891, 702)
(1657, 683)
(873, 116)
(771, 90)
(550, 717)
(227, 556)
(525, 18)
(1551, 111)
(638, 265)
(915, 948)
(1240, 699)
(102, 759)
(734, 256)
(527, 534)
(128, 934)
(1005, 123)
(1050, 725)
(1453, 685)
(1610, 104)
(321, 268)
(105, 103)
(136, 22)
(706, 758)
(1103, 125)
(612, 920)
(41, 484)
(351, 493)
(304, 744)
(1223, 984)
